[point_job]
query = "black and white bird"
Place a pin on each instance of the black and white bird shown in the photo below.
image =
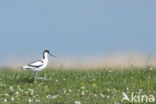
(39, 65)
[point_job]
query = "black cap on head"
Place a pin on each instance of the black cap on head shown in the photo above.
(47, 51)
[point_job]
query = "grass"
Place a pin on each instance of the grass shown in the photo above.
(76, 87)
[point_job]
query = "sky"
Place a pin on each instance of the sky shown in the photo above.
(76, 27)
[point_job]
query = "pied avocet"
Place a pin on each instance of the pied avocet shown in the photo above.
(38, 65)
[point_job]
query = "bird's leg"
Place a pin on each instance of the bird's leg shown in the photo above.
(42, 78)
(39, 77)
(35, 76)
(45, 78)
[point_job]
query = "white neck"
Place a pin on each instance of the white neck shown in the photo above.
(45, 56)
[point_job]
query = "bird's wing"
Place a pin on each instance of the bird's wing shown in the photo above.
(36, 64)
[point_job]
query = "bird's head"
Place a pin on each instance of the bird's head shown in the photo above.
(46, 53)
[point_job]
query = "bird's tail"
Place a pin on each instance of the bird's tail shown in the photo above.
(25, 67)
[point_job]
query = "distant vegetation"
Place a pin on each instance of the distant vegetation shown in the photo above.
(118, 60)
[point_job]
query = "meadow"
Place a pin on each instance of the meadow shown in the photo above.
(101, 86)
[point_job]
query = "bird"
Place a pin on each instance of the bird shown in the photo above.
(39, 65)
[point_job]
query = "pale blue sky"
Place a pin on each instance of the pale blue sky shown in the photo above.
(76, 27)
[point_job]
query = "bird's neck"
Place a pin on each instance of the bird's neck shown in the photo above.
(45, 56)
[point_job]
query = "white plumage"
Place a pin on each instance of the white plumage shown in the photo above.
(37, 65)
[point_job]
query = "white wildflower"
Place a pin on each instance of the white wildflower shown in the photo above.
(17, 92)
(102, 95)
(77, 102)
(55, 96)
(48, 96)
(89, 76)
(37, 100)
(32, 93)
(108, 96)
(140, 90)
(70, 90)
(29, 100)
(82, 87)
(32, 90)
(11, 88)
(5, 100)
(6, 94)
(64, 91)
(83, 92)
(108, 89)
(114, 89)
(116, 103)
(12, 98)
(127, 89)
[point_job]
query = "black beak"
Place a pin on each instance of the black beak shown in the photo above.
(52, 55)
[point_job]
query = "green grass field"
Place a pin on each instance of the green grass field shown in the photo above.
(76, 87)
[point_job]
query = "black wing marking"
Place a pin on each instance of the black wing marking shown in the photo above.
(36, 66)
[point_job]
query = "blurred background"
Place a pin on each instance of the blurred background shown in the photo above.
(78, 30)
